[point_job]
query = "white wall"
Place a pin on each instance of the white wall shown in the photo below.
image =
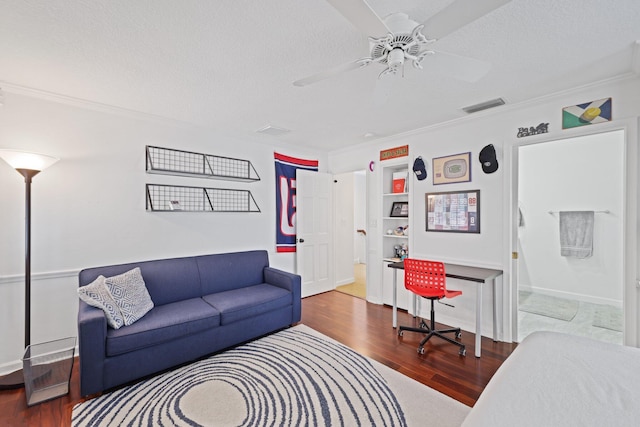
(584, 173)
(491, 248)
(89, 208)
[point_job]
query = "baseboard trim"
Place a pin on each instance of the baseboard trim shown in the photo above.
(9, 367)
(345, 281)
(571, 295)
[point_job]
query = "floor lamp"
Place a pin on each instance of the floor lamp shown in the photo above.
(28, 165)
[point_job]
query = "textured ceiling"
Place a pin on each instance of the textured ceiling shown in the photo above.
(229, 65)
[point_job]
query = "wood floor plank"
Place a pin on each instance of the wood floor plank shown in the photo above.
(366, 328)
(360, 325)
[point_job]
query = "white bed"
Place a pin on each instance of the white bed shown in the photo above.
(554, 379)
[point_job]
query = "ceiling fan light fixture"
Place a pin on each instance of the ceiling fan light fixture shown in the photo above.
(404, 40)
(483, 105)
(395, 58)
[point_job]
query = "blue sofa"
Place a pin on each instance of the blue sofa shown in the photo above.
(202, 304)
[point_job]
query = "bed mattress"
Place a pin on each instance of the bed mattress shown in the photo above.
(554, 379)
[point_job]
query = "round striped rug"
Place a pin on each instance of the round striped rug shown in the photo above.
(289, 378)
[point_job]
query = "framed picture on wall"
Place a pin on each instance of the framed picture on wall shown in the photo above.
(450, 169)
(453, 211)
(400, 209)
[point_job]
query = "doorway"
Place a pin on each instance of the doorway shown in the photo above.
(580, 293)
(351, 233)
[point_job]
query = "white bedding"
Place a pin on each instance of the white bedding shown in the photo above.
(554, 379)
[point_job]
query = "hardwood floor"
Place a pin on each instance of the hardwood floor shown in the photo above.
(366, 328)
(352, 321)
(359, 286)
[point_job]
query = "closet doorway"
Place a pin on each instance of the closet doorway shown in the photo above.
(572, 293)
(351, 233)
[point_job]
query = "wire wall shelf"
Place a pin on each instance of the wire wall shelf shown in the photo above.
(168, 161)
(175, 198)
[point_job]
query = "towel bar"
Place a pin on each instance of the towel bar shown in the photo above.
(605, 211)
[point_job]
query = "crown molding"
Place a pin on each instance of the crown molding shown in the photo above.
(13, 88)
(89, 105)
(629, 76)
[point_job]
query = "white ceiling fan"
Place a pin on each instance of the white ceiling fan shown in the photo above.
(396, 39)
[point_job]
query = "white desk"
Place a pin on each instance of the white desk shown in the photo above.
(463, 272)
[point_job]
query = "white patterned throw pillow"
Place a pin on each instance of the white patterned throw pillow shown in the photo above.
(97, 295)
(130, 294)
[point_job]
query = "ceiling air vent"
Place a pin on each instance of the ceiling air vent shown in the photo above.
(483, 105)
(272, 130)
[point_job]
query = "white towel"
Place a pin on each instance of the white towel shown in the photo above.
(576, 234)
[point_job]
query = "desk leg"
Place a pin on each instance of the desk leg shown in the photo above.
(495, 311)
(479, 318)
(395, 297)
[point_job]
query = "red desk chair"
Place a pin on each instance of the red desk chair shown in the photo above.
(427, 279)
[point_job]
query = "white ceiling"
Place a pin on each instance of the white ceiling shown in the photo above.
(229, 64)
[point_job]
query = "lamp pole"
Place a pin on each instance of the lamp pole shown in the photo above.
(28, 175)
(28, 165)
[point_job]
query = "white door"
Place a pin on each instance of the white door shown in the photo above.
(314, 211)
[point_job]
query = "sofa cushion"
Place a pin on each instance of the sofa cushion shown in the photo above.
(167, 280)
(224, 272)
(130, 294)
(163, 323)
(243, 303)
(97, 295)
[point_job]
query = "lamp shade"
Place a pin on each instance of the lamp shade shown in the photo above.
(25, 160)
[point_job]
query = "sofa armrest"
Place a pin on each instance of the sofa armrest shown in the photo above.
(290, 282)
(92, 338)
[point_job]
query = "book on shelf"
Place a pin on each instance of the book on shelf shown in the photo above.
(399, 182)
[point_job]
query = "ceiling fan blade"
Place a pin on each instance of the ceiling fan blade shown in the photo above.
(331, 72)
(459, 67)
(457, 15)
(360, 14)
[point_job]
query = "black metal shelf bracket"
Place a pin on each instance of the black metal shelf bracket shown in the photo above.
(168, 161)
(178, 198)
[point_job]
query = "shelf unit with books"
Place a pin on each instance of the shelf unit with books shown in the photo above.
(396, 221)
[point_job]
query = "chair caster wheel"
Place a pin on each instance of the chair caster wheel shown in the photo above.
(463, 352)
(399, 333)
(421, 350)
(459, 335)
